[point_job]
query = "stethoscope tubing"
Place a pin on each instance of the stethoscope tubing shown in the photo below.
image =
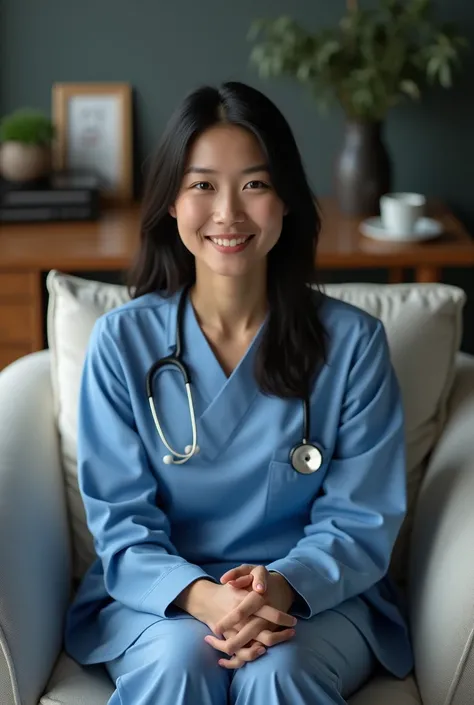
(175, 360)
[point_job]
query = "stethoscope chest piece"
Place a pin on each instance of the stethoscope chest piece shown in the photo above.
(306, 458)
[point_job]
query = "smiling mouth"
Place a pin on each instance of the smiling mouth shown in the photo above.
(230, 242)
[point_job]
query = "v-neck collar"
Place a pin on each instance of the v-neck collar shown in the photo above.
(226, 399)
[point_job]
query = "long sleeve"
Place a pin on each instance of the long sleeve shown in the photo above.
(353, 525)
(142, 568)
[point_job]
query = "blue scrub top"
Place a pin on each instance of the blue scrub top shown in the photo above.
(157, 527)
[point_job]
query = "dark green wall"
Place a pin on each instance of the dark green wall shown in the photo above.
(164, 49)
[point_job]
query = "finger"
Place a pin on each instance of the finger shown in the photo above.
(271, 614)
(269, 638)
(231, 663)
(234, 662)
(243, 656)
(247, 608)
(260, 579)
(218, 643)
(234, 640)
(236, 572)
(242, 582)
(238, 641)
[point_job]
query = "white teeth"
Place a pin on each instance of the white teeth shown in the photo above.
(229, 243)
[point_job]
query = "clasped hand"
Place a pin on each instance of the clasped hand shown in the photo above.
(250, 611)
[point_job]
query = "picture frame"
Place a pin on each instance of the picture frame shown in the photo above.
(93, 123)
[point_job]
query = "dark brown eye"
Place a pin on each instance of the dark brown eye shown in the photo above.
(256, 185)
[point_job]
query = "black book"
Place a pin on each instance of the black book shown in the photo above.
(61, 196)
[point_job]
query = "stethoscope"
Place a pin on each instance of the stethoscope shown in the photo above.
(305, 457)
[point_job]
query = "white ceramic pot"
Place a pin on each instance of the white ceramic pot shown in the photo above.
(24, 162)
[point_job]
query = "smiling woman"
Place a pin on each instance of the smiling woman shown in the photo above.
(227, 197)
(278, 512)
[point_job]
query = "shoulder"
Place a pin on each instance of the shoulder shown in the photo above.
(349, 327)
(154, 302)
(358, 355)
(147, 315)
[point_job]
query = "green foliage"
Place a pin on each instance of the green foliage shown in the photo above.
(27, 126)
(370, 62)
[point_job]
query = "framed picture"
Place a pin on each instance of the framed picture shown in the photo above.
(94, 133)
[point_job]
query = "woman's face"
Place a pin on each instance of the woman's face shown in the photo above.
(228, 213)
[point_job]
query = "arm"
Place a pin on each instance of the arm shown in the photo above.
(353, 526)
(142, 568)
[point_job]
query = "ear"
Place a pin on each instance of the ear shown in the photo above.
(286, 210)
(172, 211)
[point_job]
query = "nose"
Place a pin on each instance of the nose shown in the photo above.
(228, 208)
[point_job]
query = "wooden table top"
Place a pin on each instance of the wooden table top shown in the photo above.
(342, 245)
(110, 243)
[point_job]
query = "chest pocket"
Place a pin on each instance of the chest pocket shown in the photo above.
(290, 493)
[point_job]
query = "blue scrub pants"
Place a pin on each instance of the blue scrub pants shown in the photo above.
(325, 662)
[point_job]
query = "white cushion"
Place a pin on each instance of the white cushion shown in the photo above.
(423, 324)
(72, 684)
(74, 305)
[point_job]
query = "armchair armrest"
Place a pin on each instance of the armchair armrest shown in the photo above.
(442, 560)
(34, 534)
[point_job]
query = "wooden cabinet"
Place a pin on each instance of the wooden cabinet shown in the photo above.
(21, 327)
(10, 353)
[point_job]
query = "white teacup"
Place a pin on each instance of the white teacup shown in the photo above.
(401, 211)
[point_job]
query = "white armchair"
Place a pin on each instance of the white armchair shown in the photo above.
(37, 546)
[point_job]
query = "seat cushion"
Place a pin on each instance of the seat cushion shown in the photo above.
(423, 324)
(386, 690)
(71, 684)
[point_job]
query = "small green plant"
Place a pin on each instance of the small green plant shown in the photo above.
(27, 126)
(370, 62)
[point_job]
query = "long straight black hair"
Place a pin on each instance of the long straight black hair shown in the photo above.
(293, 341)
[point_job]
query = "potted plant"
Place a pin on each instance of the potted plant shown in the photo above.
(25, 153)
(373, 60)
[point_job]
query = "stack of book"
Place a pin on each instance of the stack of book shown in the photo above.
(61, 196)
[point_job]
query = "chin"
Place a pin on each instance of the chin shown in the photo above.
(230, 271)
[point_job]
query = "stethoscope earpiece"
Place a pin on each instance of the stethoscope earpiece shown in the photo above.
(188, 451)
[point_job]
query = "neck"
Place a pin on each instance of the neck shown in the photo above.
(230, 306)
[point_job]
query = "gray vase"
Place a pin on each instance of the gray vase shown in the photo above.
(363, 169)
(24, 162)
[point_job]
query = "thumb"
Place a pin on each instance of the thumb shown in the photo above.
(259, 583)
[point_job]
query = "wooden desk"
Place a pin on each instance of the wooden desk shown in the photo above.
(342, 246)
(27, 251)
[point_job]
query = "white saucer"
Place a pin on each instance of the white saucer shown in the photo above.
(425, 229)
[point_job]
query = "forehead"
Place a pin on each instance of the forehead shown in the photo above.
(225, 147)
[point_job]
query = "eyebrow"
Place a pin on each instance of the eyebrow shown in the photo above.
(205, 170)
